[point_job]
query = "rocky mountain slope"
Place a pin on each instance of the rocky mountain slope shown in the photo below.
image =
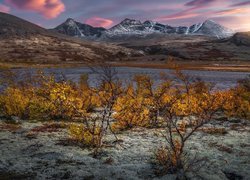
(131, 27)
(76, 29)
(22, 41)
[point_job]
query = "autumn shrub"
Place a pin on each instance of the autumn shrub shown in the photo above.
(142, 103)
(14, 102)
(57, 99)
(89, 136)
(96, 108)
(237, 101)
(130, 111)
(168, 159)
(191, 105)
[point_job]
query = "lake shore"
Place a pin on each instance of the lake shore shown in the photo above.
(185, 65)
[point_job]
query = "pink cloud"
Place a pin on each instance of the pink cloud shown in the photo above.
(48, 8)
(232, 11)
(199, 2)
(4, 8)
(99, 22)
(177, 16)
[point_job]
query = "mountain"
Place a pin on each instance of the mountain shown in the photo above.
(241, 39)
(133, 27)
(211, 28)
(73, 28)
(136, 28)
(127, 26)
(22, 41)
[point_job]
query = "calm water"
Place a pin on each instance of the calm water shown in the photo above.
(222, 80)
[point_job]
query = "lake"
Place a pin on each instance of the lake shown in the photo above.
(222, 79)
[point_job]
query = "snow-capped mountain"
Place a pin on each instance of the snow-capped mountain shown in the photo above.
(211, 28)
(73, 28)
(129, 26)
(133, 27)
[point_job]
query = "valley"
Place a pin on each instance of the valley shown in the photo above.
(130, 43)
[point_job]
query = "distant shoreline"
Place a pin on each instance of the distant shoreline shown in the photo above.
(242, 67)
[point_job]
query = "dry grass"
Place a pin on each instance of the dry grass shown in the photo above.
(10, 127)
(214, 131)
(221, 147)
(50, 127)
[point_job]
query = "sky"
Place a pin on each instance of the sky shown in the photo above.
(234, 14)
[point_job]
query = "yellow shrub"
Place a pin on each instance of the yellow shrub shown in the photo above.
(131, 111)
(90, 137)
(14, 102)
(60, 99)
(237, 102)
(39, 109)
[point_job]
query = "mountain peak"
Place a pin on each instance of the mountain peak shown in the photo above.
(77, 29)
(149, 22)
(70, 21)
(130, 21)
(209, 21)
(212, 28)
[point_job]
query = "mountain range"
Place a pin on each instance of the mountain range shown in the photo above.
(131, 40)
(133, 27)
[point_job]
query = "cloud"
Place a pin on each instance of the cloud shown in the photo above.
(232, 11)
(181, 15)
(99, 22)
(48, 8)
(241, 4)
(199, 3)
(4, 8)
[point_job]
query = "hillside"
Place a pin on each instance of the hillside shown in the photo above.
(241, 39)
(188, 48)
(22, 41)
(12, 26)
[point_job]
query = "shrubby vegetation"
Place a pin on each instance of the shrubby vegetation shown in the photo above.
(181, 105)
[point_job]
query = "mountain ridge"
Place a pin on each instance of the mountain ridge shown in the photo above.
(136, 27)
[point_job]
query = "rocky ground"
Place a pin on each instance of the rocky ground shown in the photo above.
(35, 150)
